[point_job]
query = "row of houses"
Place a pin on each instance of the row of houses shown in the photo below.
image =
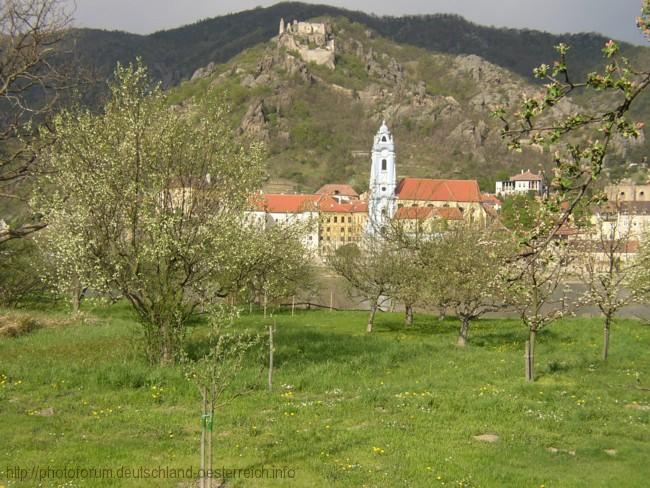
(337, 215)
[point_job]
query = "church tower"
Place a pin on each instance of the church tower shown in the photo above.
(383, 180)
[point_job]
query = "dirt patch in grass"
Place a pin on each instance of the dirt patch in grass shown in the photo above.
(17, 324)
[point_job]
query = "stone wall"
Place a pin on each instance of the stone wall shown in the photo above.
(312, 41)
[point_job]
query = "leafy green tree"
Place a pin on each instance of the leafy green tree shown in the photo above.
(581, 141)
(519, 212)
(370, 269)
(18, 281)
(534, 287)
(466, 276)
(148, 200)
(215, 374)
(607, 266)
(409, 282)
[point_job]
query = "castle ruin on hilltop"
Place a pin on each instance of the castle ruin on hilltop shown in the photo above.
(312, 41)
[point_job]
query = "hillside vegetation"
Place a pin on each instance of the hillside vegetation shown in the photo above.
(319, 123)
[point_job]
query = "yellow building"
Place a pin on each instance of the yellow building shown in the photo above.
(340, 223)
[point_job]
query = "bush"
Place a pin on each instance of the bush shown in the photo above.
(19, 278)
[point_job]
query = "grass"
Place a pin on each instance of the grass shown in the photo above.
(394, 408)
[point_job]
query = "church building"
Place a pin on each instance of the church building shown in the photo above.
(449, 199)
(383, 181)
(339, 216)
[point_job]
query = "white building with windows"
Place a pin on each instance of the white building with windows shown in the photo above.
(383, 181)
(522, 183)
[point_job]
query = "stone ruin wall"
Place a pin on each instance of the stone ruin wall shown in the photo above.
(298, 36)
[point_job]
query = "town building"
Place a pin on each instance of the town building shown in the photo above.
(339, 192)
(383, 181)
(340, 223)
(336, 215)
(463, 195)
(523, 183)
(622, 220)
(276, 209)
(426, 221)
(628, 191)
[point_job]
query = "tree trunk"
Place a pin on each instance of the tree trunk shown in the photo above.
(166, 353)
(608, 321)
(464, 332)
(530, 356)
(408, 315)
(442, 313)
(270, 357)
(371, 318)
(77, 290)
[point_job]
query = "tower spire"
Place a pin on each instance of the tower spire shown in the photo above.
(383, 181)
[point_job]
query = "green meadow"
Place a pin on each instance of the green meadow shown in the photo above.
(395, 408)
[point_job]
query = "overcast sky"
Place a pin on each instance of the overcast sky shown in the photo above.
(613, 18)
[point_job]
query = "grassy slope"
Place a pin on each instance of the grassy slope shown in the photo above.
(411, 393)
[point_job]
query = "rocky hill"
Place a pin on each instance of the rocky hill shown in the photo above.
(317, 91)
(176, 53)
(433, 77)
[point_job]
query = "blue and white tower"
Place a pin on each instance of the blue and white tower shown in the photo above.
(383, 181)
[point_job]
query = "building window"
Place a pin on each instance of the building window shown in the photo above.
(335, 219)
(383, 139)
(383, 188)
(349, 219)
(384, 163)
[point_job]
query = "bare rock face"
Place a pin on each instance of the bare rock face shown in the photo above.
(203, 72)
(470, 133)
(254, 122)
(385, 68)
(295, 66)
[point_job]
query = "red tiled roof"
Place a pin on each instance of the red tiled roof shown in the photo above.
(407, 213)
(526, 176)
(450, 213)
(337, 189)
(490, 199)
(438, 190)
(328, 204)
(280, 203)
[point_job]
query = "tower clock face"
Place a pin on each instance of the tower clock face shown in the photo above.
(384, 152)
